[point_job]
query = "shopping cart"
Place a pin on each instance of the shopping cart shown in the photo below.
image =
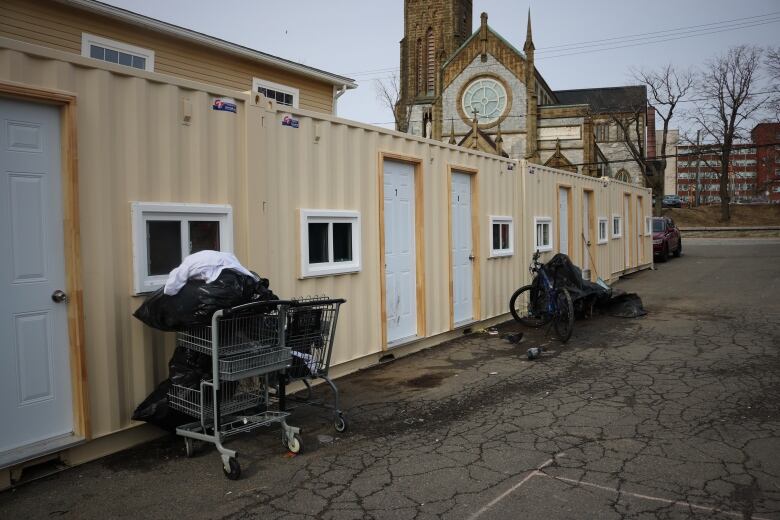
(247, 344)
(311, 327)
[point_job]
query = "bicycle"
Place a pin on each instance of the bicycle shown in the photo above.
(541, 302)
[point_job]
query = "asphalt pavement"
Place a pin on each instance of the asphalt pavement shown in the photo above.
(673, 415)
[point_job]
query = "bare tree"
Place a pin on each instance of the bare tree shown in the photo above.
(388, 92)
(665, 88)
(772, 63)
(728, 103)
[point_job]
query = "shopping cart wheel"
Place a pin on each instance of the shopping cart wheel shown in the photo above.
(235, 469)
(340, 424)
(189, 447)
(295, 444)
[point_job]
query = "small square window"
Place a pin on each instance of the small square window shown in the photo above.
(501, 243)
(648, 226)
(99, 53)
(331, 242)
(617, 226)
(163, 234)
(603, 230)
(543, 234)
(112, 56)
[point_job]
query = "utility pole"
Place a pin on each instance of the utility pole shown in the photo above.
(698, 161)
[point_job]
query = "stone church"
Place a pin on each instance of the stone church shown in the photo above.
(479, 91)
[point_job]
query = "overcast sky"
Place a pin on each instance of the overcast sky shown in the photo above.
(359, 38)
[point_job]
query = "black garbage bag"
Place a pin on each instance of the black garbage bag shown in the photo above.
(186, 368)
(155, 410)
(197, 301)
(625, 305)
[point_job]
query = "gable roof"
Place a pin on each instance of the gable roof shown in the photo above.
(607, 99)
(210, 41)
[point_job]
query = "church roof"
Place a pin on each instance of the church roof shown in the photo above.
(608, 99)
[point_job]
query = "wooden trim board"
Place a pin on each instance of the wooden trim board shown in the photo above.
(75, 313)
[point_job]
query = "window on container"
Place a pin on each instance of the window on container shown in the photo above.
(617, 226)
(330, 242)
(543, 234)
(501, 236)
(163, 234)
(282, 94)
(112, 51)
(603, 228)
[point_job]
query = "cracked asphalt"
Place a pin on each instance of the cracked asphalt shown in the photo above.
(674, 415)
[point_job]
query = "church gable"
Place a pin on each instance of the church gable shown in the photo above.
(483, 42)
(559, 161)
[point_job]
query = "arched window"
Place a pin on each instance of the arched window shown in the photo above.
(418, 83)
(622, 175)
(430, 62)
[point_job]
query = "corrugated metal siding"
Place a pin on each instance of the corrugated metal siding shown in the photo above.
(133, 146)
(60, 26)
(340, 171)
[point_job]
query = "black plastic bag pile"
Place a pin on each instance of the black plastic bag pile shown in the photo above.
(194, 304)
(197, 301)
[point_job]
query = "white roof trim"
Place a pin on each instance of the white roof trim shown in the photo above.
(210, 41)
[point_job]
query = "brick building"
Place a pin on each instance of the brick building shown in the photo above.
(766, 137)
(754, 169)
(478, 90)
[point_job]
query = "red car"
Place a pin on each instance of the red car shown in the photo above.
(666, 238)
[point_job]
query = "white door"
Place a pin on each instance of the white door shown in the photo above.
(401, 280)
(35, 383)
(586, 249)
(563, 219)
(627, 229)
(462, 251)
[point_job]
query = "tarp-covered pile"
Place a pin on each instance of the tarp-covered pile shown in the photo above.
(587, 295)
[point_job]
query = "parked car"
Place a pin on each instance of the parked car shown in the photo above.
(666, 238)
(672, 201)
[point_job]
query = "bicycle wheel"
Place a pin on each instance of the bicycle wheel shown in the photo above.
(531, 314)
(564, 315)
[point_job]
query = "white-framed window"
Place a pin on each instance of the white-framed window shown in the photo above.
(282, 94)
(617, 226)
(501, 233)
(543, 234)
(330, 242)
(648, 226)
(603, 230)
(113, 51)
(165, 233)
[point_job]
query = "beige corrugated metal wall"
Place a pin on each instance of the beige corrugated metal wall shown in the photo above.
(134, 146)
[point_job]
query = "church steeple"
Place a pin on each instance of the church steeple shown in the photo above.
(529, 40)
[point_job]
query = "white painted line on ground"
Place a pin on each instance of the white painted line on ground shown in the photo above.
(681, 503)
(502, 496)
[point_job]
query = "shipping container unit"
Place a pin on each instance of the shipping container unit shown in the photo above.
(422, 238)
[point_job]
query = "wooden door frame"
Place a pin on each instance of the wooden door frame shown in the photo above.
(628, 223)
(419, 239)
(640, 226)
(475, 238)
(570, 204)
(67, 102)
(591, 230)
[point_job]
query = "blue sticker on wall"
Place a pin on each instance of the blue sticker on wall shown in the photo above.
(224, 105)
(289, 121)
